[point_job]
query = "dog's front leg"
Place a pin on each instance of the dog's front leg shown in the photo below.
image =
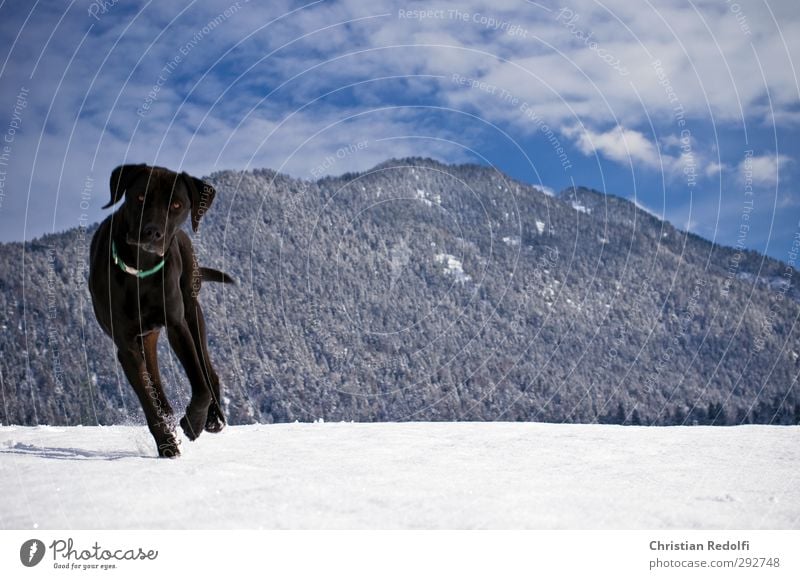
(215, 421)
(180, 338)
(159, 423)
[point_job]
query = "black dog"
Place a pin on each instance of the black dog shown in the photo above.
(143, 276)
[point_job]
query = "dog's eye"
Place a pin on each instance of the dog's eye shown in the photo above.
(176, 205)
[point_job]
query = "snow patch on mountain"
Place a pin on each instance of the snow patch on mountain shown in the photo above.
(453, 266)
(581, 208)
(428, 199)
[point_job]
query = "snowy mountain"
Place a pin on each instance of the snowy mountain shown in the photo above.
(424, 291)
(411, 475)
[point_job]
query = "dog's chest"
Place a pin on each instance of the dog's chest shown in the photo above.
(150, 303)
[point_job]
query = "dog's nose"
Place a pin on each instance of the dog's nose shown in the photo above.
(152, 233)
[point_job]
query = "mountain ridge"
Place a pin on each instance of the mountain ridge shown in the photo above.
(424, 291)
(404, 161)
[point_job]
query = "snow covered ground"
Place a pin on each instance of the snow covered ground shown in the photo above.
(409, 475)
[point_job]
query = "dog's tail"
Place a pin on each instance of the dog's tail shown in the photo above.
(209, 274)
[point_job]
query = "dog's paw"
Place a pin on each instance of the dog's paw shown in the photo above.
(216, 420)
(169, 450)
(190, 432)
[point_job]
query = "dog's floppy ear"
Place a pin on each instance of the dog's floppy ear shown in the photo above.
(201, 195)
(121, 178)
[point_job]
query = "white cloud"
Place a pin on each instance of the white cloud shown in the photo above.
(713, 168)
(787, 201)
(762, 170)
(678, 157)
(618, 144)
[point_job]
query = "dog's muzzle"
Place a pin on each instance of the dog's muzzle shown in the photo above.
(155, 247)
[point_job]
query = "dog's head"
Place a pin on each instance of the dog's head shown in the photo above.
(157, 203)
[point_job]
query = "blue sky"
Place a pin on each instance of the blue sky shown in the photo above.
(690, 108)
